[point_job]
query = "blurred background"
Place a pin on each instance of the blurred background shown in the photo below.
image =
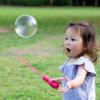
(95, 3)
(44, 50)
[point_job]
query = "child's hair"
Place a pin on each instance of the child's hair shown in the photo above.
(88, 34)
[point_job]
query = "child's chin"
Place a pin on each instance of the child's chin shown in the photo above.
(70, 56)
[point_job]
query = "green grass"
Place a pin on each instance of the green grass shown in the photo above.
(18, 82)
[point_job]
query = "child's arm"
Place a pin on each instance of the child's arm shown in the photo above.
(58, 80)
(80, 77)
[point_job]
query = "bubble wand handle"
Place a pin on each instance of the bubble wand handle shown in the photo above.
(53, 84)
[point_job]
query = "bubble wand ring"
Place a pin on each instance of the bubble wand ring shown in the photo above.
(45, 78)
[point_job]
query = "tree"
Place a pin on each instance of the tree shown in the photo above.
(51, 2)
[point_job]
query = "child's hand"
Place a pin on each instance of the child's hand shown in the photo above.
(68, 87)
(58, 80)
(54, 79)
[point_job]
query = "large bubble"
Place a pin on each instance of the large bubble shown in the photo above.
(25, 26)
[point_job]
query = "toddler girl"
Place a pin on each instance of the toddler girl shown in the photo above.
(80, 45)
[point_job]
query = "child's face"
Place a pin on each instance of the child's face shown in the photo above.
(73, 43)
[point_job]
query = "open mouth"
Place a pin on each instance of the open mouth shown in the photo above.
(68, 50)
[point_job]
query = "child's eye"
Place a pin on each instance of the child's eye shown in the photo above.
(73, 39)
(66, 38)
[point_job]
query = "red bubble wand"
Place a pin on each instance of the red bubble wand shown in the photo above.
(45, 78)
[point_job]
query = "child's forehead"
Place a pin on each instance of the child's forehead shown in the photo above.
(72, 31)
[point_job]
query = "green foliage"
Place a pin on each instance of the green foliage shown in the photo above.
(44, 51)
(25, 2)
(51, 2)
(61, 2)
(29, 3)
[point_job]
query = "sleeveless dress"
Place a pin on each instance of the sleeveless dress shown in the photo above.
(87, 90)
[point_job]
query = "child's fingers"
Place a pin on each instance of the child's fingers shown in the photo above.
(53, 79)
(63, 89)
(66, 78)
(66, 89)
(59, 89)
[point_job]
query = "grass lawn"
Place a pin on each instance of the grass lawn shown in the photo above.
(44, 50)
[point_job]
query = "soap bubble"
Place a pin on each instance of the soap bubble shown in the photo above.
(25, 26)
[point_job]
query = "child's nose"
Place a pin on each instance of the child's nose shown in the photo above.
(68, 42)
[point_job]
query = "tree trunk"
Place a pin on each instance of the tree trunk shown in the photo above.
(51, 2)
